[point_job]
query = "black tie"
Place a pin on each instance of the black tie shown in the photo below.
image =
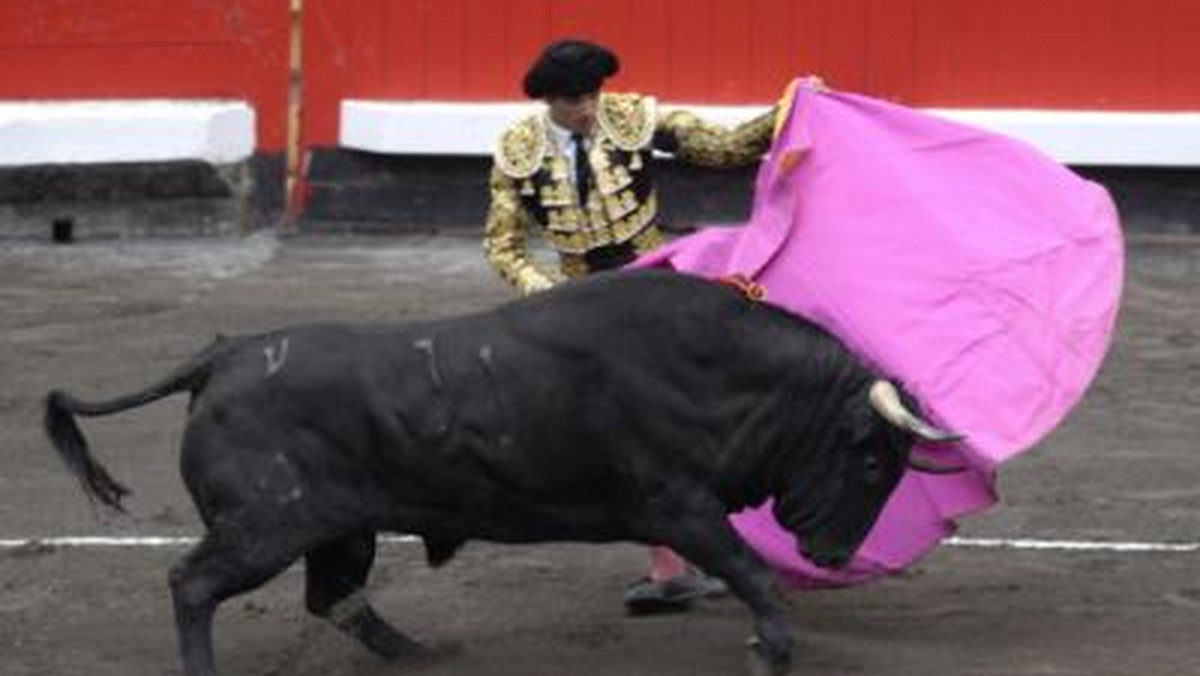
(583, 170)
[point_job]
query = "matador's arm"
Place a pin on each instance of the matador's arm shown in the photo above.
(505, 238)
(697, 141)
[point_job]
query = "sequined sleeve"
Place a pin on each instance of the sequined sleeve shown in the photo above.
(696, 141)
(505, 239)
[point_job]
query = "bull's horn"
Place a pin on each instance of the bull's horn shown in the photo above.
(927, 466)
(886, 400)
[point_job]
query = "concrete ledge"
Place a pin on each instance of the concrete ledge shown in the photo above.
(436, 128)
(425, 128)
(1087, 138)
(122, 131)
(1093, 138)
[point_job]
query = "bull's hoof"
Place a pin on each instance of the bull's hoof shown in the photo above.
(421, 654)
(762, 660)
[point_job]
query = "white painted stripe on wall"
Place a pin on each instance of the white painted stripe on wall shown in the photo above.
(141, 130)
(1071, 137)
(1027, 544)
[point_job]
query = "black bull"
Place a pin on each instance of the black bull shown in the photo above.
(632, 406)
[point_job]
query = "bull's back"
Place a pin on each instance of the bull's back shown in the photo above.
(626, 368)
(559, 398)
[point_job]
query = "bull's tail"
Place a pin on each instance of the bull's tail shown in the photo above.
(72, 446)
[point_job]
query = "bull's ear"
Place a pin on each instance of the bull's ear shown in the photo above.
(885, 399)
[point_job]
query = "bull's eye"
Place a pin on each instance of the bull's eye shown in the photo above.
(872, 469)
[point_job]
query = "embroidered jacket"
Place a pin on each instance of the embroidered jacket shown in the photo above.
(532, 191)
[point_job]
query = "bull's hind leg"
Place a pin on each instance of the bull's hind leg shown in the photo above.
(216, 569)
(336, 573)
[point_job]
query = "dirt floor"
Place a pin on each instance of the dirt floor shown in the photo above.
(103, 318)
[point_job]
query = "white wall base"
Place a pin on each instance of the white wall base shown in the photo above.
(77, 132)
(1097, 138)
(144, 130)
(1071, 137)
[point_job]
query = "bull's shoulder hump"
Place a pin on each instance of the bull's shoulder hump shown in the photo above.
(643, 292)
(661, 282)
(679, 292)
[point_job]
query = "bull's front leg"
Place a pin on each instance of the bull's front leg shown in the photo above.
(698, 528)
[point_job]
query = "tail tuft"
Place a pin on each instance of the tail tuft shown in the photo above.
(72, 447)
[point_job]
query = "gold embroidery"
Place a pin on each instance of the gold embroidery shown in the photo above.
(612, 213)
(557, 194)
(575, 265)
(612, 179)
(504, 239)
(558, 167)
(566, 219)
(627, 119)
(617, 206)
(713, 145)
(602, 233)
(521, 147)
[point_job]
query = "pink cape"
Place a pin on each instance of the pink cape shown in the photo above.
(967, 265)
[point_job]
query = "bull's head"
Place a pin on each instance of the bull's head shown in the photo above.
(832, 502)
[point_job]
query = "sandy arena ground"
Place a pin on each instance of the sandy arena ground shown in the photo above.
(104, 318)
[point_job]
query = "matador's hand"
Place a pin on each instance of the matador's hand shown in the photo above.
(815, 83)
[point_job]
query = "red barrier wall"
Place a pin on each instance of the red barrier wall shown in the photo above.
(1078, 54)
(1090, 54)
(111, 49)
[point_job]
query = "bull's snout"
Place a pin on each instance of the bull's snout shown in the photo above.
(835, 561)
(825, 558)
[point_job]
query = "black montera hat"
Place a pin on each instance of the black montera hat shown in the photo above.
(570, 68)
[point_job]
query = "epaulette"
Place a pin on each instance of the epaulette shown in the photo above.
(628, 119)
(521, 147)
